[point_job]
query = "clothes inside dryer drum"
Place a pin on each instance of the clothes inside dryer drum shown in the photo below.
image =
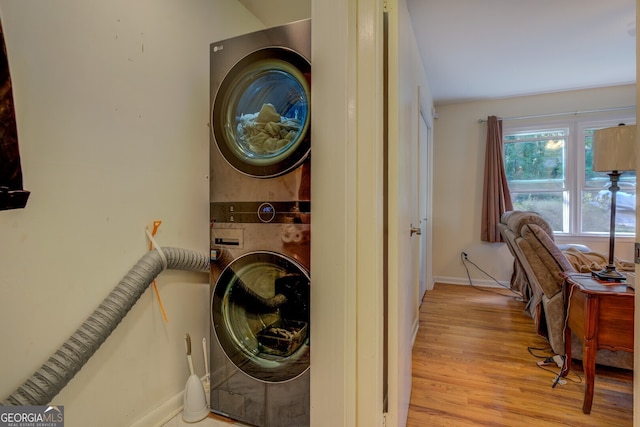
(264, 131)
(261, 113)
(260, 314)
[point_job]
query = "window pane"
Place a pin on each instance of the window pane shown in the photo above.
(596, 206)
(549, 205)
(535, 160)
(600, 180)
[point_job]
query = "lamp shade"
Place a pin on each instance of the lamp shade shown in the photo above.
(614, 149)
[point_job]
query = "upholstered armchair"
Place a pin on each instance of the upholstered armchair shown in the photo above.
(539, 269)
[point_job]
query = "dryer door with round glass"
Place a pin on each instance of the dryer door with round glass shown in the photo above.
(260, 315)
(260, 114)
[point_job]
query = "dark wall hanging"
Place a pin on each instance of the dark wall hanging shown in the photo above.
(12, 193)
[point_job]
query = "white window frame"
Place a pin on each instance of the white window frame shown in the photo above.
(575, 159)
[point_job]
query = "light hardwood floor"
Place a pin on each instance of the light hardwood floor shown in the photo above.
(472, 367)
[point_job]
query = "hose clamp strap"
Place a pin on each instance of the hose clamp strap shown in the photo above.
(157, 248)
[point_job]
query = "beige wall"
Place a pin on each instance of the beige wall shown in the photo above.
(459, 149)
(112, 108)
(406, 81)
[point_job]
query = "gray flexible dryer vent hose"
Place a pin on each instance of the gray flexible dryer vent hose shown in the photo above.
(56, 373)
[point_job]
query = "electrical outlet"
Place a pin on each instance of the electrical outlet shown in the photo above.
(637, 253)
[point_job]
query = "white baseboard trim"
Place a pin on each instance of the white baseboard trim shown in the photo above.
(163, 413)
(414, 329)
(464, 281)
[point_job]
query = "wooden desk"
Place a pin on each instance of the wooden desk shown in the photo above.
(602, 315)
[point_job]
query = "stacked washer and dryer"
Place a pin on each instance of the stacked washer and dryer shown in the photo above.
(260, 226)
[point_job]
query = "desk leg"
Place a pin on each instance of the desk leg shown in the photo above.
(589, 349)
(566, 366)
(589, 362)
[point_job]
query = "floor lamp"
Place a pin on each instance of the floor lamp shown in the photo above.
(614, 151)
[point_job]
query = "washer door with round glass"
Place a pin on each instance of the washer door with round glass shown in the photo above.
(260, 115)
(260, 315)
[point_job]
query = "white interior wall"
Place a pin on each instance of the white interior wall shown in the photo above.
(112, 106)
(346, 367)
(459, 148)
(333, 382)
(405, 76)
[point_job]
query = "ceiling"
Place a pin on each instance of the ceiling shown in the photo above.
(488, 49)
(277, 12)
